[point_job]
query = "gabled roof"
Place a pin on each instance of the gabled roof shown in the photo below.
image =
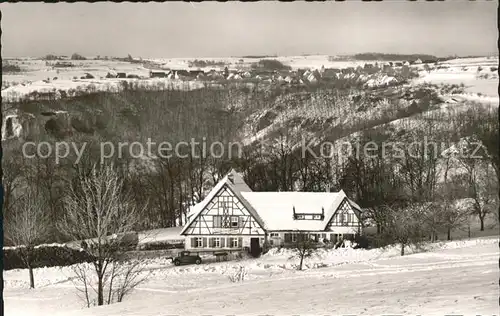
(236, 184)
(274, 211)
(276, 208)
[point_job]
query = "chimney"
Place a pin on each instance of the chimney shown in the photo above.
(322, 213)
(294, 216)
(230, 177)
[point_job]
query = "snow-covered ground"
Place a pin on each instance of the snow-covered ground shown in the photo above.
(458, 277)
(296, 62)
(35, 73)
(468, 71)
(160, 235)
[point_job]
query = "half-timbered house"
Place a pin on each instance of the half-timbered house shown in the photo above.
(233, 217)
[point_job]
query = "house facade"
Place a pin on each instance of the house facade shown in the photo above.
(233, 217)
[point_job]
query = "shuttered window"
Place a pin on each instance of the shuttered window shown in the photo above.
(204, 242)
(217, 243)
(235, 242)
(199, 242)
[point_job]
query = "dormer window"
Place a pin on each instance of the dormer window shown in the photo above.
(318, 216)
(300, 217)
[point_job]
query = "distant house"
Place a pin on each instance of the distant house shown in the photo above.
(121, 75)
(184, 74)
(348, 70)
(195, 73)
(157, 74)
(330, 73)
(233, 217)
(87, 76)
(418, 61)
(246, 74)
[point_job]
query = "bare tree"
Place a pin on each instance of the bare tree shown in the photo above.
(405, 224)
(27, 226)
(483, 186)
(303, 247)
(99, 213)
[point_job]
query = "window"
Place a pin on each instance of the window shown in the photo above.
(234, 242)
(199, 242)
(217, 242)
(234, 221)
(220, 221)
(318, 216)
(224, 205)
(274, 235)
(343, 218)
(225, 202)
(294, 237)
(300, 217)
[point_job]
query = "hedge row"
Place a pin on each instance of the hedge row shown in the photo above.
(160, 245)
(45, 256)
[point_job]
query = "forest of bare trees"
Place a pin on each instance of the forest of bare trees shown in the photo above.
(161, 190)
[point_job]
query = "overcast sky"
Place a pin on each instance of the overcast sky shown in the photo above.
(235, 29)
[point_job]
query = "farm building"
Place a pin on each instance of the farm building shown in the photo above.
(158, 74)
(233, 217)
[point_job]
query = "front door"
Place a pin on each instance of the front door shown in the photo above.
(255, 247)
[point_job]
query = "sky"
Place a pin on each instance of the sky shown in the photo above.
(179, 29)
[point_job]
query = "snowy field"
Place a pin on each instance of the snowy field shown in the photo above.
(468, 71)
(296, 62)
(37, 76)
(459, 277)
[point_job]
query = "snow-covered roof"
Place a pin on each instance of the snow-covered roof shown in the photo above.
(276, 208)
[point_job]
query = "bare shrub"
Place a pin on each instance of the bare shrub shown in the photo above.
(239, 275)
(27, 225)
(99, 213)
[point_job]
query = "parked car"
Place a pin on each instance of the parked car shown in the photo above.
(185, 257)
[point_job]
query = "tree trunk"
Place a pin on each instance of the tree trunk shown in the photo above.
(301, 260)
(449, 234)
(402, 249)
(100, 291)
(32, 278)
(481, 220)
